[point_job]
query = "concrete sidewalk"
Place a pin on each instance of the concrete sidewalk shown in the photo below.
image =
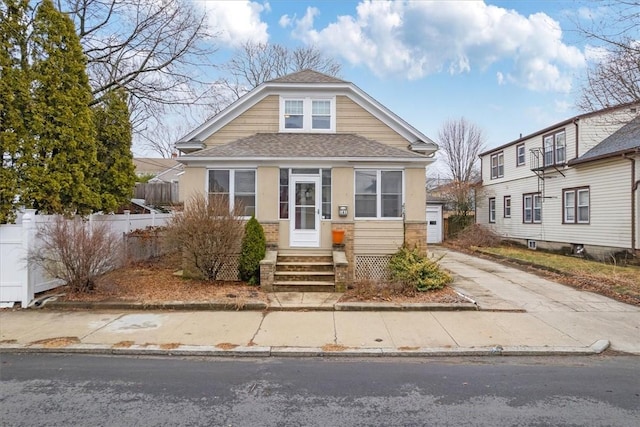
(520, 314)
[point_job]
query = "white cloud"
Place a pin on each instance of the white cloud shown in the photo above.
(236, 22)
(284, 21)
(416, 39)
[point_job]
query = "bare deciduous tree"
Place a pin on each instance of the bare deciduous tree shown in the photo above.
(149, 47)
(460, 143)
(256, 63)
(613, 78)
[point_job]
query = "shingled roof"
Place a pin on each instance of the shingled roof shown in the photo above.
(625, 139)
(306, 145)
(307, 76)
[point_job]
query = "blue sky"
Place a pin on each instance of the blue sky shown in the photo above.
(511, 67)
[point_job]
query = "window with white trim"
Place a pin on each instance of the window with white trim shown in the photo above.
(507, 206)
(236, 186)
(497, 165)
(576, 206)
(555, 148)
(378, 193)
(284, 194)
(492, 209)
(520, 155)
(293, 113)
(307, 114)
(532, 208)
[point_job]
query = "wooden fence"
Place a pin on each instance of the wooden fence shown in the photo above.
(157, 193)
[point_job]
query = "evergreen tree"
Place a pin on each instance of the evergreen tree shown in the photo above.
(14, 104)
(252, 251)
(116, 172)
(61, 178)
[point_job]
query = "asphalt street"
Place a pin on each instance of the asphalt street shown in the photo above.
(49, 390)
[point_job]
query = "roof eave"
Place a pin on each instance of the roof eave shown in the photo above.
(580, 161)
(199, 159)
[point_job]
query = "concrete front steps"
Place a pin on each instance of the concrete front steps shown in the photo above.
(304, 271)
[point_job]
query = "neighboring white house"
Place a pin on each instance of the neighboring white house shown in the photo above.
(572, 186)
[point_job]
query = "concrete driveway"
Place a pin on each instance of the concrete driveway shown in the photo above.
(582, 315)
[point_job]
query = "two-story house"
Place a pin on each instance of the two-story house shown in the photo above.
(309, 153)
(572, 186)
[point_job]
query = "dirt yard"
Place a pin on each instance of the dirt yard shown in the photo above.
(155, 281)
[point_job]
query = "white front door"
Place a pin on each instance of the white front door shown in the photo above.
(305, 204)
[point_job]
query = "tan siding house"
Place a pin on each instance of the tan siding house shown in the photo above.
(572, 186)
(310, 154)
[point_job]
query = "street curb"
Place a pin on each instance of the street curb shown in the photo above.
(255, 306)
(256, 351)
(169, 305)
(383, 306)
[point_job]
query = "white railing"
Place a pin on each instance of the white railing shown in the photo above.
(19, 281)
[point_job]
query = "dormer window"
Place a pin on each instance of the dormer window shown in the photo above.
(293, 113)
(321, 114)
(307, 114)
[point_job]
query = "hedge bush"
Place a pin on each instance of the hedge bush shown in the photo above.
(411, 268)
(253, 250)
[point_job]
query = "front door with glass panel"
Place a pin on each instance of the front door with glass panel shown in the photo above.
(305, 204)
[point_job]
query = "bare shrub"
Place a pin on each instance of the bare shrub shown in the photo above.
(208, 233)
(77, 251)
(476, 235)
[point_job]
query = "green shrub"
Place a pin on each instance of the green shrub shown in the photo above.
(412, 268)
(254, 248)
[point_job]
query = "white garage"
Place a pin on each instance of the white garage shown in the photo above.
(434, 224)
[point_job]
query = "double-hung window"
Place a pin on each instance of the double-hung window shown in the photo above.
(307, 114)
(555, 148)
(520, 155)
(507, 206)
(532, 208)
(492, 209)
(497, 165)
(378, 194)
(576, 206)
(234, 187)
(293, 114)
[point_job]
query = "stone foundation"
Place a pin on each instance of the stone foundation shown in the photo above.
(271, 233)
(415, 235)
(346, 247)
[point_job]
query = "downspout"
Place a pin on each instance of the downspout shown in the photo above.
(575, 122)
(634, 187)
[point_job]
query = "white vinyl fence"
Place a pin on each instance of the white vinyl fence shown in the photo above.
(19, 281)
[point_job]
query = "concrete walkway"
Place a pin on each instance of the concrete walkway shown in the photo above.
(520, 314)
